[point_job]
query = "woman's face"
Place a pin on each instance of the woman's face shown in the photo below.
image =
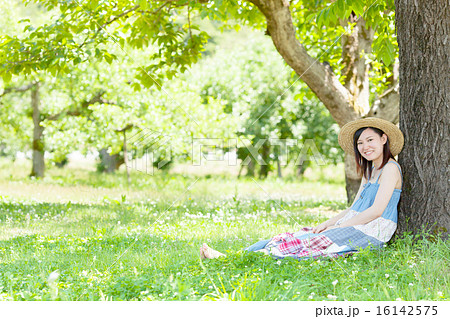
(370, 145)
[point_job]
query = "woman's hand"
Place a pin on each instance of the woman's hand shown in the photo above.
(331, 227)
(320, 228)
(323, 227)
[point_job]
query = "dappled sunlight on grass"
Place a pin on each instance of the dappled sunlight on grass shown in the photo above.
(124, 247)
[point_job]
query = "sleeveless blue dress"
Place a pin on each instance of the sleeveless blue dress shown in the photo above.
(338, 241)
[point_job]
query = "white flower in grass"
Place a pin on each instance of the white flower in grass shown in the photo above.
(53, 277)
(398, 299)
(440, 293)
(279, 262)
(386, 275)
(335, 282)
(391, 286)
(411, 284)
(332, 297)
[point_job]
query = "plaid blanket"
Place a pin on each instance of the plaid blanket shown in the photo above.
(332, 243)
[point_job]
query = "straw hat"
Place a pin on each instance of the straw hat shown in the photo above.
(396, 139)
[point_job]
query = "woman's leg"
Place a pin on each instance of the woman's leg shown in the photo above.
(258, 246)
(207, 252)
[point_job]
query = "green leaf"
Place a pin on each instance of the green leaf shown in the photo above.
(6, 77)
(358, 7)
(320, 19)
(143, 4)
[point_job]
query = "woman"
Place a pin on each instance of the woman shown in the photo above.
(372, 218)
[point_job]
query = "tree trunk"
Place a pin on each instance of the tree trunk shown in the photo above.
(301, 169)
(280, 175)
(125, 157)
(264, 168)
(38, 165)
(109, 163)
(352, 180)
(251, 168)
(423, 34)
(355, 70)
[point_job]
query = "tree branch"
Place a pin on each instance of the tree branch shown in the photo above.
(355, 71)
(97, 98)
(336, 98)
(18, 89)
(124, 129)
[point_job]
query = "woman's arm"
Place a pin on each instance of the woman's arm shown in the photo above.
(332, 221)
(388, 180)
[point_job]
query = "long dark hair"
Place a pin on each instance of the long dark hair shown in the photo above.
(363, 166)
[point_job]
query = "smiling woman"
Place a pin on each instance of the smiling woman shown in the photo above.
(372, 218)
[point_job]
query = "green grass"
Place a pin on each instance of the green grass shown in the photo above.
(108, 242)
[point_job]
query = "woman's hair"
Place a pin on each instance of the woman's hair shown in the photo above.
(363, 166)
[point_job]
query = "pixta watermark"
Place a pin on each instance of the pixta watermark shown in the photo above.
(150, 150)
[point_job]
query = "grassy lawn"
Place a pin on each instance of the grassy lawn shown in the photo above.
(79, 235)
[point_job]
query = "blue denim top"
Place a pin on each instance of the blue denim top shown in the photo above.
(369, 192)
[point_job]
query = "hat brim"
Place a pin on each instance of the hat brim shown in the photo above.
(396, 138)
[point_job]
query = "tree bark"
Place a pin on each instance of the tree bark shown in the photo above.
(301, 169)
(423, 34)
(352, 179)
(125, 157)
(251, 168)
(279, 173)
(265, 168)
(109, 163)
(355, 71)
(38, 163)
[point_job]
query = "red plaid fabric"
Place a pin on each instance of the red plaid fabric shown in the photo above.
(291, 246)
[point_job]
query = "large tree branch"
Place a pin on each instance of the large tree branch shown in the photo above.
(355, 70)
(336, 98)
(18, 89)
(97, 98)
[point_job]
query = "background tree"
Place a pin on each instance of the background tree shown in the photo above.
(423, 32)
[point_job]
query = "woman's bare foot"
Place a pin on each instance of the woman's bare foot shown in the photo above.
(202, 255)
(207, 252)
